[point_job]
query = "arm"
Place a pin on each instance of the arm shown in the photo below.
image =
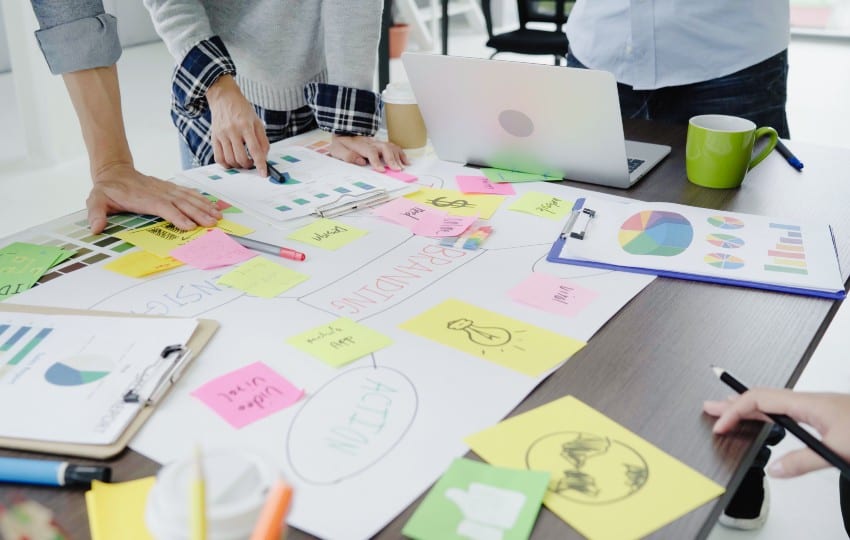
(826, 413)
(80, 41)
(348, 108)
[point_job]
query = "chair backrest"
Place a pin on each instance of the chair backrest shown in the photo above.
(550, 11)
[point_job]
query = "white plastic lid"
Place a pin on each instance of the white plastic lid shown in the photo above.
(236, 487)
(399, 93)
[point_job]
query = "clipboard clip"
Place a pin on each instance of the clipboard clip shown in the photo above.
(578, 221)
(350, 202)
(176, 357)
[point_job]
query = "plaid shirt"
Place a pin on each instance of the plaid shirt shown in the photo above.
(339, 110)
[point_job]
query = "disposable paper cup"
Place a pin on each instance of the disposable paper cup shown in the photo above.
(405, 126)
(236, 487)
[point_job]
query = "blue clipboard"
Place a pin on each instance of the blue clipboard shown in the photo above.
(579, 226)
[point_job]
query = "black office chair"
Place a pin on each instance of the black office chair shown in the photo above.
(531, 40)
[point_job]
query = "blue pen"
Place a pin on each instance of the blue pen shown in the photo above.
(789, 157)
(50, 473)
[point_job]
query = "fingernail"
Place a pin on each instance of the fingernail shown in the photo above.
(776, 469)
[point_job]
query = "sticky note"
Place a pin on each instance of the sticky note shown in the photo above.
(480, 184)
(22, 264)
(117, 510)
(502, 175)
(542, 205)
(328, 234)
(445, 225)
(248, 394)
(457, 203)
(231, 227)
(494, 337)
(222, 205)
(141, 263)
(407, 213)
(553, 294)
(262, 277)
(212, 250)
(474, 496)
(599, 469)
(401, 175)
(161, 238)
(340, 342)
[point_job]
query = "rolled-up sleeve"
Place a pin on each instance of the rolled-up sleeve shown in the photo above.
(76, 35)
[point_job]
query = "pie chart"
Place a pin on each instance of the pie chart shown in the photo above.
(724, 261)
(725, 222)
(78, 370)
(656, 233)
(725, 241)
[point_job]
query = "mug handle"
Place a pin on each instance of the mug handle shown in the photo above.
(762, 132)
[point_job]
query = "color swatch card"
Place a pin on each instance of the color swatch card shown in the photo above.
(328, 234)
(248, 394)
(494, 337)
(458, 203)
(476, 500)
(606, 482)
(340, 342)
(542, 205)
(262, 277)
(674, 240)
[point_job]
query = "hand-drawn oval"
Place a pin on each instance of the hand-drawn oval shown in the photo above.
(186, 293)
(350, 423)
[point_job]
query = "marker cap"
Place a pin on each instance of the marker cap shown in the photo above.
(82, 475)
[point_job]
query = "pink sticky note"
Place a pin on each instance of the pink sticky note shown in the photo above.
(552, 294)
(440, 226)
(212, 250)
(248, 394)
(400, 175)
(480, 184)
(407, 213)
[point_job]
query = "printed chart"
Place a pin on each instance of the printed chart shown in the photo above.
(650, 232)
(78, 370)
(724, 261)
(725, 241)
(788, 254)
(726, 222)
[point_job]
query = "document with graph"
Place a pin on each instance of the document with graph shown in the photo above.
(67, 378)
(790, 255)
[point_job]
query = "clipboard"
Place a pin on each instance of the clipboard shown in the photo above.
(579, 228)
(200, 337)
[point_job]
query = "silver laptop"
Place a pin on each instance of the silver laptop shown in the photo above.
(524, 117)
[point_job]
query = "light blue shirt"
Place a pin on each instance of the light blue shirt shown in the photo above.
(651, 44)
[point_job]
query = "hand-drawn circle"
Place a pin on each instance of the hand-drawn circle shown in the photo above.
(350, 423)
(516, 123)
(588, 468)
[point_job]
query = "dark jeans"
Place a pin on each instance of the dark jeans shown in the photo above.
(844, 493)
(757, 93)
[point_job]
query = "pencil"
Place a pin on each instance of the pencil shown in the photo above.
(788, 423)
(198, 502)
(273, 515)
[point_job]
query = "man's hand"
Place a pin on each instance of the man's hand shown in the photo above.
(121, 188)
(362, 150)
(236, 125)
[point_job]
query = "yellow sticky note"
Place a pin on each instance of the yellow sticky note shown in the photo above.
(328, 234)
(340, 342)
(543, 205)
(606, 481)
(494, 337)
(261, 277)
(458, 203)
(141, 263)
(160, 238)
(118, 510)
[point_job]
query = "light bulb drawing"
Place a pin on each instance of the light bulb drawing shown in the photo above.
(489, 336)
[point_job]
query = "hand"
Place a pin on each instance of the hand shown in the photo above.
(235, 125)
(362, 150)
(121, 188)
(827, 413)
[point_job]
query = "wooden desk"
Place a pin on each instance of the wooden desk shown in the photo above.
(648, 368)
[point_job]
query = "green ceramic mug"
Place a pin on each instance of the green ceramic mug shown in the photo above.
(719, 149)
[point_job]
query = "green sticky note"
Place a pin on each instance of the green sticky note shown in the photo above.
(340, 342)
(543, 205)
(476, 500)
(22, 264)
(515, 177)
(261, 277)
(327, 234)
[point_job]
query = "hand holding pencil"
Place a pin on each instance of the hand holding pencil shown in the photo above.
(826, 413)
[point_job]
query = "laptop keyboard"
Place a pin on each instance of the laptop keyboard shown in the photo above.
(634, 163)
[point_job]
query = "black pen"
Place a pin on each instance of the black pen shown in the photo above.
(275, 174)
(788, 423)
(789, 157)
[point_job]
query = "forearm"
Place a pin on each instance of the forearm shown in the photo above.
(97, 101)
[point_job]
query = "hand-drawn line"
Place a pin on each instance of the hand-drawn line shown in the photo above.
(590, 274)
